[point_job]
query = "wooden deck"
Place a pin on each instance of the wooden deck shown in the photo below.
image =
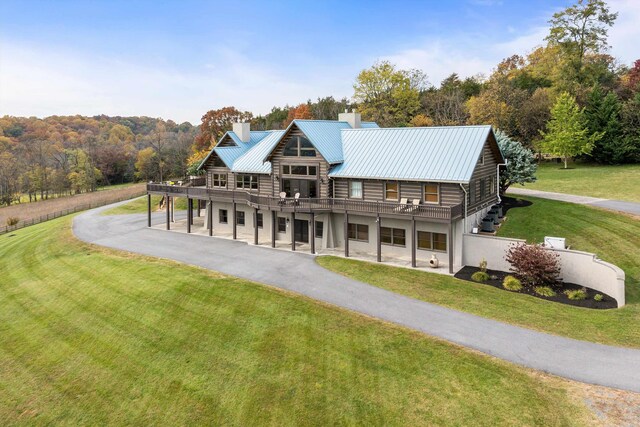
(262, 202)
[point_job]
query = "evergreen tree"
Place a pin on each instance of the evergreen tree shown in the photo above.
(603, 116)
(521, 163)
(567, 133)
(631, 127)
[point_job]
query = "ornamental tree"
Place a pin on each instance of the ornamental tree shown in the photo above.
(567, 132)
(521, 165)
(534, 265)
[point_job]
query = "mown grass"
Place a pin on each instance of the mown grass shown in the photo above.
(97, 337)
(620, 182)
(140, 206)
(615, 238)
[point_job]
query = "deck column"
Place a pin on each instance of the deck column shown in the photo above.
(312, 232)
(168, 210)
(346, 234)
(210, 213)
(292, 229)
(413, 242)
(255, 226)
(235, 226)
(450, 248)
(172, 206)
(199, 207)
(274, 217)
(379, 241)
(148, 210)
(189, 214)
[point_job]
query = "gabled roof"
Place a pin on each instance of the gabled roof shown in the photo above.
(252, 161)
(446, 154)
(229, 154)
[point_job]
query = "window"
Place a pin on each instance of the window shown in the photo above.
(259, 220)
(247, 182)
(432, 241)
(219, 180)
(431, 192)
(299, 146)
(481, 159)
(483, 188)
(222, 216)
(239, 218)
(282, 224)
(355, 189)
(392, 236)
(319, 229)
(391, 190)
(492, 189)
(358, 232)
(472, 192)
(299, 170)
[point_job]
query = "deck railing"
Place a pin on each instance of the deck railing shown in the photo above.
(290, 204)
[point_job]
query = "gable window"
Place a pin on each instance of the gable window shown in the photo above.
(259, 220)
(219, 180)
(392, 236)
(358, 232)
(432, 241)
(391, 190)
(299, 146)
(247, 182)
(222, 216)
(319, 229)
(299, 170)
(282, 224)
(432, 192)
(239, 217)
(355, 189)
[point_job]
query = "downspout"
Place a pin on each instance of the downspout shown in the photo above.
(466, 197)
(498, 178)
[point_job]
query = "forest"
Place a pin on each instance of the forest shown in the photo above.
(567, 98)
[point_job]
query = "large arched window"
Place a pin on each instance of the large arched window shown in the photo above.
(299, 146)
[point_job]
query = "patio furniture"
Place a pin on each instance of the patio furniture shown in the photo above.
(404, 204)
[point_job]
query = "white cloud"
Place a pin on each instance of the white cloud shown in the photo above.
(625, 34)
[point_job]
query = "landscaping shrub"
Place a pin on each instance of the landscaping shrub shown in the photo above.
(576, 294)
(598, 297)
(480, 276)
(483, 265)
(12, 220)
(544, 291)
(535, 265)
(510, 283)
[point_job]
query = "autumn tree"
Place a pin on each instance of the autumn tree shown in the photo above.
(216, 122)
(146, 164)
(302, 111)
(567, 134)
(389, 96)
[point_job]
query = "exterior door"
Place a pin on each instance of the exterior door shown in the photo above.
(301, 230)
(306, 187)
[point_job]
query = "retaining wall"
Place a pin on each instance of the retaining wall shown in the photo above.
(582, 268)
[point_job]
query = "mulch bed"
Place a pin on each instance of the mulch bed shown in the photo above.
(606, 303)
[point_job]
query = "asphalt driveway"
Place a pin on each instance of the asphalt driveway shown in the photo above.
(298, 272)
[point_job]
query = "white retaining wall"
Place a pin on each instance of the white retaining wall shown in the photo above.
(582, 268)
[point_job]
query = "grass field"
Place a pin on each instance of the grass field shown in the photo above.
(24, 198)
(606, 182)
(615, 238)
(140, 206)
(92, 336)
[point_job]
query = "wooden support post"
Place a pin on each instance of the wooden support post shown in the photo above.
(189, 213)
(312, 237)
(292, 229)
(413, 242)
(199, 207)
(379, 241)
(148, 210)
(168, 209)
(235, 226)
(274, 220)
(346, 234)
(172, 206)
(255, 226)
(450, 248)
(210, 218)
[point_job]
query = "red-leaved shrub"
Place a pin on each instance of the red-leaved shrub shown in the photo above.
(534, 265)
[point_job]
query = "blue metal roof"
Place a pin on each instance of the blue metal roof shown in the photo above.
(325, 136)
(230, 154)
(369, 125)
(447, 154)
(252, 161)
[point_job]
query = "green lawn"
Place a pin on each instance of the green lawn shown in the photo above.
(607, 182)
(90, 336)
(615, 238)
(139, 205)
(24, 198)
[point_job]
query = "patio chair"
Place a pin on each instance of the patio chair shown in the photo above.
(283, 198)
(296, 198)
(404, 203)
(414, 206)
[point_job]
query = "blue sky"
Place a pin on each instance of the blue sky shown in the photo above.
(178, 59)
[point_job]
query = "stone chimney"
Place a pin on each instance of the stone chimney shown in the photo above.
(352, 118)
(242, 130)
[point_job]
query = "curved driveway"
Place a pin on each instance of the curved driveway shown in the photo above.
(298, 272)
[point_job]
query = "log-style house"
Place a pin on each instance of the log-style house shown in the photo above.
(348, 186)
